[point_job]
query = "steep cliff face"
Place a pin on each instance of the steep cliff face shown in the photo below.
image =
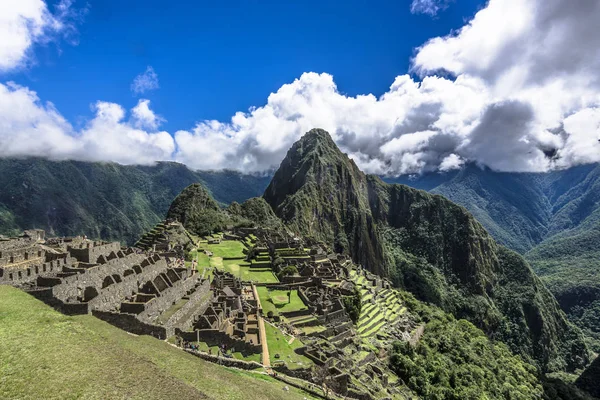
(425, 244)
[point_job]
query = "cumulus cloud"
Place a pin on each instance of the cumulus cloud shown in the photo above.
(30, 128)
(429, 7)
(516, 89)
(24, 23)
(144, 82)
(144, 117)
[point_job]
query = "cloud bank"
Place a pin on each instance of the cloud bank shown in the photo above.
(516, 89)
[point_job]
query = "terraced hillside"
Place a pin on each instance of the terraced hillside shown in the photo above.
(379, 307)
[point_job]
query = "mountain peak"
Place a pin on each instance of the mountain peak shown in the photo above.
(424, 243)
(317, 135)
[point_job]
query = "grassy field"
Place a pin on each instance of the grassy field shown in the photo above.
(227, 248)
(46, 355)
(242, 270)
(278, 344)
(277, 301)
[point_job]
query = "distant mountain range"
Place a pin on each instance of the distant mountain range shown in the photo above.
(553, 219)
(104, 200)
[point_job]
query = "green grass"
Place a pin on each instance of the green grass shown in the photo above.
(240, 269)
(312, 329)
(46, 355)
(277, 301)
(278, 344)
(280, 299)
(203, 260)
(227, 248)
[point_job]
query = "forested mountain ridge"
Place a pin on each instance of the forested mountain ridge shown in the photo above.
(104, 200)
(553, 219)
(426, 245)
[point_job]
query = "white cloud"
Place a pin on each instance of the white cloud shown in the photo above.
(26, 22)
(144, 117)
(451, 162)
(430, 7)
(144, 82)
(519, 92)
(30, 128)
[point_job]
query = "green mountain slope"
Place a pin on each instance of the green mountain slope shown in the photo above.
(590, 379)
(199, 213)
(103, 200)
(553, 219)
(427, 245)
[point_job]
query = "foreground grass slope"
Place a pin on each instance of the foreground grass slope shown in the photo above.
(44, 354)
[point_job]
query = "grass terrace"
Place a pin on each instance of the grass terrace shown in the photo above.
(378, 307)
(279, 344)
(47, 355)
(277, 301)
(243, 270)
(227, 249)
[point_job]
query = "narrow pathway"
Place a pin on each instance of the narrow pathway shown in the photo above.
(266, 360)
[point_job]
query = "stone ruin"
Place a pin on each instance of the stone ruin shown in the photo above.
(133, 289)
(322, 281)
(230, 317)
(148, 290)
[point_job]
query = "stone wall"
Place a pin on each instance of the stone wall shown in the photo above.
(168, 297)
(183, 319)
(214, 337)
(92, 251)
(110, 298)
(73, 287)
(22, 254)
(226, 362)
(29, 271)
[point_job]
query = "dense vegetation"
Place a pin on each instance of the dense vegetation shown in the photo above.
(199, 213)
(427, 245)
(553, 219)
(103, 200)
(590, 379)
(455, 360)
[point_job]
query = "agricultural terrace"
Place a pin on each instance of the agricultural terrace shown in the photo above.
(229, 255)
(282, 348)
(378, 307)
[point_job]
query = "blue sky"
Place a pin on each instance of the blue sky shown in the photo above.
(215, 59)
(403, 87)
